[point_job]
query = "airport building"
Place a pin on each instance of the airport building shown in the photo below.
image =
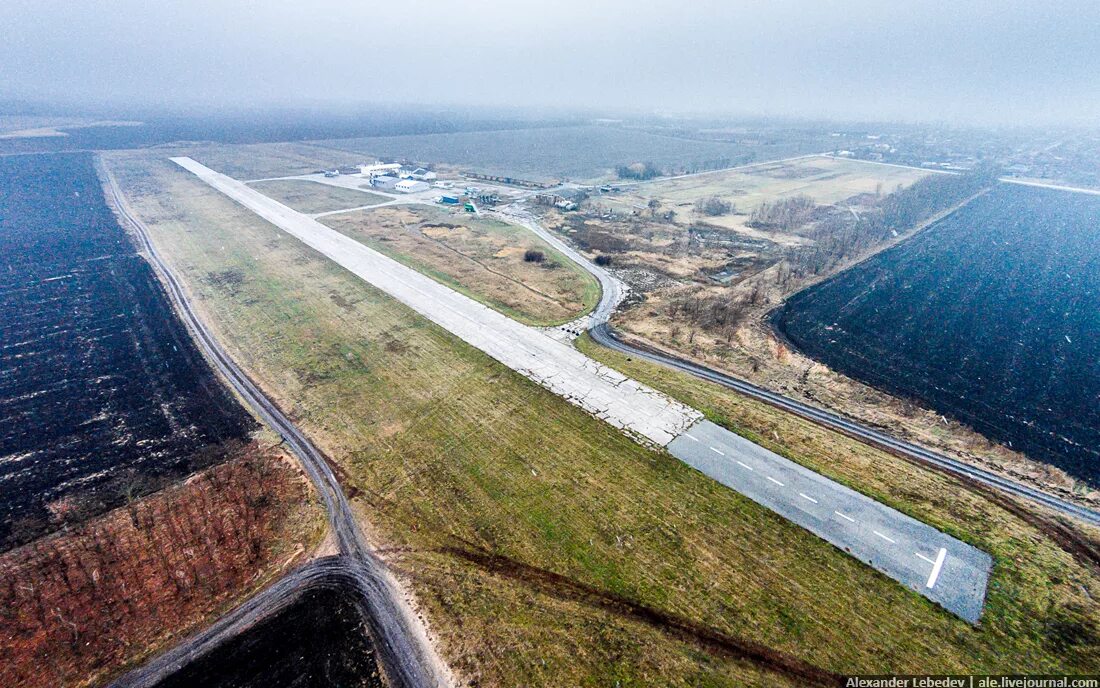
(422, 174)
(379, 169)
(411, 186)
(385, 182)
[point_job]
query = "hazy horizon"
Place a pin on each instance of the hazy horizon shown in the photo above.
(1004, 63)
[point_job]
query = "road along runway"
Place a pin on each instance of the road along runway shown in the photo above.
(603, 335)
(943, 569)
(406, 655)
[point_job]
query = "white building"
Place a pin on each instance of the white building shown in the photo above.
(411, 186)
(385, 182)
(378, 169)
(422, 174)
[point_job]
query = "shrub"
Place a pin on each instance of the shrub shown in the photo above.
(713, 206)
(603, 259)
(533, 256)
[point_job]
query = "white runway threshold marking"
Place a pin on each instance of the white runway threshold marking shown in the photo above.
(877, 535)
(936, 568)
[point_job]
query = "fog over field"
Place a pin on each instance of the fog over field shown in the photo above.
(1008, 62)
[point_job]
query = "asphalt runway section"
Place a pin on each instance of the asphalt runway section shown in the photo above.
(944, 569)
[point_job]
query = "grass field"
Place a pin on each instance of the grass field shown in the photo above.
(314, 197)
(480, 257)
(597, 542)
(826, 180)
(574, 152)
(264, 160)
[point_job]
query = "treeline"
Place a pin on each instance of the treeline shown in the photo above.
(713, 206)
(838, 237)
(649, 170)
(842, 235)
(930, 195)
(715, 164)
(638, 170)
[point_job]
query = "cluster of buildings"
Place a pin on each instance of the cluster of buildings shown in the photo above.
(556, 200)
(391, 177)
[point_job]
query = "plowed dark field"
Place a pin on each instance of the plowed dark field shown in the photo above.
(991, 316)
(103, 396)
(318, 642)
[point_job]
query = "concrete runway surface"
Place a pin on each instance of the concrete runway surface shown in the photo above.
(947, 571)
(943, 569)
(606, 393)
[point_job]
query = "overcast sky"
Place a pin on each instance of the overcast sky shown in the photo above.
(997, 61)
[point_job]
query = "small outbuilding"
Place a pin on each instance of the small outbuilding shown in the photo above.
(410, 186)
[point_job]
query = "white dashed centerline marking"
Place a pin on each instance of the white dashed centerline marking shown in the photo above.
(774, 481)
(688, 435)
(925, 558)
(937, 567)
(807, 497)
(845, 516)
(717, 452)
(745, 465)
(890, 540)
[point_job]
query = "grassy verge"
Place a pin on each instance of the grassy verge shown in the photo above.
(314, 197)
(1025, 560)
(452, 455)
(480, 257)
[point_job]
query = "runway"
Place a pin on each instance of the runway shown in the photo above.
(942, 568)
(948, 571)
(626, 404)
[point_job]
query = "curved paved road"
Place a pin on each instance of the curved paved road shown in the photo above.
(402, 645)
(602, 332)
(612, 290)
(604, 335)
